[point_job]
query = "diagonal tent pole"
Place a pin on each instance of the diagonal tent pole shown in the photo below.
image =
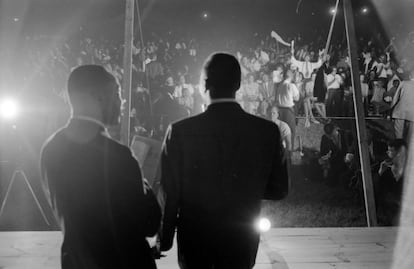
(141, 35)
(328, 41)
(127, 77)
(360, 120)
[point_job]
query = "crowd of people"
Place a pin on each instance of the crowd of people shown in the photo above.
(302, 80)
(280, 82)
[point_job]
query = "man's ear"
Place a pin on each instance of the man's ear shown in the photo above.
(237, 86)
(207, 85)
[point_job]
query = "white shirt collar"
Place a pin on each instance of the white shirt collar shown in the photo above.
(78, 117)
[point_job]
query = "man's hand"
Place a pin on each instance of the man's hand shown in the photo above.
(321, 52)
(154, 243)
(327, 156)
(386, 163)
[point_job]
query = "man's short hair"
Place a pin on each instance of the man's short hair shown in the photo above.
(91, 79)
(397, 144)
(329, 128)
(223, 74)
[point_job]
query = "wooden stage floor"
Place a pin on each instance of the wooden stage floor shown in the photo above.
(287, 248)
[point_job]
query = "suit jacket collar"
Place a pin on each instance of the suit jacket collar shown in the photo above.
(87, 123)
(89, 119)
(224, 106)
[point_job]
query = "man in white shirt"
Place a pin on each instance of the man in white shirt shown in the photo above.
(178, 92)
(382, 68)
(306, 67)
(403, 108)
(251, 95)
(286, 94)
(334, 100)
(369, 63)
(266, 94)
(277, 74)
(284, 128)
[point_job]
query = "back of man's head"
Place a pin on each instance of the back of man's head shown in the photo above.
(94, 92)
(91, 79)
(222, 75)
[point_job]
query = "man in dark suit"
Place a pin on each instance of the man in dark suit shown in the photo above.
(216, 168)
(94, 184)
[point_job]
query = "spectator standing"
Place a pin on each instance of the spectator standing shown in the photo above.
(308, 100)
(186, 100)
(181, 85)
(403, 108)
(286, 95)
(390, 93)
(369, 64)
(382, 68)
(306, 67)
(378, 97)
(284, 128)
(320, 89)
(267, 94)
(251, 95)
(334, 101)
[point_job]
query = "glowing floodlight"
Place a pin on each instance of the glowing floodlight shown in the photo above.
(205, 15)
(364, 10)
(332, 10)
(263, 225)
(8, 108)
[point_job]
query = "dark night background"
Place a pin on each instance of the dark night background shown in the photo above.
(227, 18)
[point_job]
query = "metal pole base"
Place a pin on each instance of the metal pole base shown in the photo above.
(23, 175)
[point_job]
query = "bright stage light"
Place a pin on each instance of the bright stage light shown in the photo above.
(263, 225)
(364, 10)
(8, 108)
(205, 15)
(332, 10)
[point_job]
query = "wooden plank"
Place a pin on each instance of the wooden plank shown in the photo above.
(297, 248)
(329, 230)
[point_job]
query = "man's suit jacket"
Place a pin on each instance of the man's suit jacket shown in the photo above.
(404, 101)
(216, 168)
(103, 205)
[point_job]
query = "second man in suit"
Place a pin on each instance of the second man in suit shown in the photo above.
(216, 168)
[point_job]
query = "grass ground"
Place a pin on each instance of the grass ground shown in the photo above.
(313, 203)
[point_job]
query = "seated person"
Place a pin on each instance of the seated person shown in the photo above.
(335, 145)
(390, 181)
